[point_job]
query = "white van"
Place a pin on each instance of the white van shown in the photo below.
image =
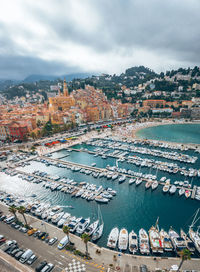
(10, 219)
(63, 242)
(26, 255)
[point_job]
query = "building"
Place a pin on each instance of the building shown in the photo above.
(154, 103)
(17, 131)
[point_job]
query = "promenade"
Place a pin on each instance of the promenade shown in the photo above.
(107, 258)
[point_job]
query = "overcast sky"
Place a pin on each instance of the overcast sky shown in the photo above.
(66, 36)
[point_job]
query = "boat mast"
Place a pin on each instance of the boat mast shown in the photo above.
(156, 225)
(194, 220)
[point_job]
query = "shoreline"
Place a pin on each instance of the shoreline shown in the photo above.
(156, 124)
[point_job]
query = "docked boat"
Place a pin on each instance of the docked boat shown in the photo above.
(138, 181)
(189, 243)
(97, 233)
(131, 181)
(123, 239)
(155, 240)
(166, 188)
(148, 184)
(143, 242)
(154, 185)
(195, 237)
(172, 190)
(181, 191)
(187, 193)
(74, 223)
(177, 241)
(133, 242)
(92, 227)
(113, 238)
(82, 225)
(122, 179)
(166, 242)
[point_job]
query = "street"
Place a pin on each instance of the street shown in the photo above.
(60, 259)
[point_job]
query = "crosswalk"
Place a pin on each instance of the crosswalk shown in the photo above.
(75, 266)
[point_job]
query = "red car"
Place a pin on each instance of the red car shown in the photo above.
(2, 239)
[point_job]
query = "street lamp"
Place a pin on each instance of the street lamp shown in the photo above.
(43, 224)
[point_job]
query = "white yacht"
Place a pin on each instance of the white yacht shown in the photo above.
(189, 243)
(123, 239)
(74, 223)
(82, 225)
(166, 242)
(166, 188)
(122, 179)
(138, 181)
(97, 233)
(63, 220)
(92, 227)
(172, 190)
(181, 191)
(155, 240)
(143, 242)
(113, 238)
(195, 237)
(154, 185)
(131, 181)
(177, 241)
(133, 242)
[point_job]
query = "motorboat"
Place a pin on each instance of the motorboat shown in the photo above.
(122, 179)
(138, 181)
(181, 191)
(92, 227)
(172, 190)
(123, 239)
(143, 242)
(82, 225)
(187, 193)
(195, 237)
(113, 238)
(133, 242)
(154, 185)
(189, 243)
(74, 223)
(166, 188)
(148, 184)
(97, 233)
(131, 181)
(166, 242)
(177, 241)
(155, 240)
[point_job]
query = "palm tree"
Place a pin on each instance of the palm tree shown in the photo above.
(13, 210)
(85, 238)
(22, 211)
(66, 230)
(185, 255)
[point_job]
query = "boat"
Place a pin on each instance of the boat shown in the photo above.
(122, 179)
(82, 225)
(148, 184)
(187, 193)
(181, 191)
(155, 240)
(189, 243)
(143, 242)
(138, 181)
(91, 228)
(166, 242)
(115, 176)
(131, 181)
(166, 188)
(154, 185)
(113, 238)
(133, 242)
(74, 223)
(123, 239)
(97, 233)
(195, 237)
(172, 190)
(177, 241)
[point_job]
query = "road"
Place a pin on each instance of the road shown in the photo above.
(60, 259)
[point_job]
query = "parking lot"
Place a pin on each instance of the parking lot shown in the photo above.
(43, 251)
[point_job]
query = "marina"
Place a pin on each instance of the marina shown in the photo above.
(108, 171)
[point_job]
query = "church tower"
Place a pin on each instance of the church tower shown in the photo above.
(65, 90)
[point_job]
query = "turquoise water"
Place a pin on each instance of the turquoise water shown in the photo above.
(133, 207)
(183, 133)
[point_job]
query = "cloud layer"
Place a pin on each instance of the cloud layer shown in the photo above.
(66, 36)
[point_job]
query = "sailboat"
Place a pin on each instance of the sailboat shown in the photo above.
(194, 235)
(99, 230)
(155, 239)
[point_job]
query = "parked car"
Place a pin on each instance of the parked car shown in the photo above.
(31, 231)
(14, 251)
(40, 266)
(8, 245)
(42, 234)
(143, 268)
(47, 267)
(10, 219)
(2, 239)
(36, 233)
(3, 217)
(19, 254)
(11, 248)
(27, 254)
(32, 259)
(24, 230)
(53, 240)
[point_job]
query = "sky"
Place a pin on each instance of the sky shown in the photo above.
(55, 37)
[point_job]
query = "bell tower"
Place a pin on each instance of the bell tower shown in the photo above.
(65, 89)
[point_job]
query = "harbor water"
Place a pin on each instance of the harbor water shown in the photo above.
(133, 207)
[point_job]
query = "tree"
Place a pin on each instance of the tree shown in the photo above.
(85, 238)
(22, 211)
(13, 210)
(33, 135)
(66, 230)
(185, 255)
